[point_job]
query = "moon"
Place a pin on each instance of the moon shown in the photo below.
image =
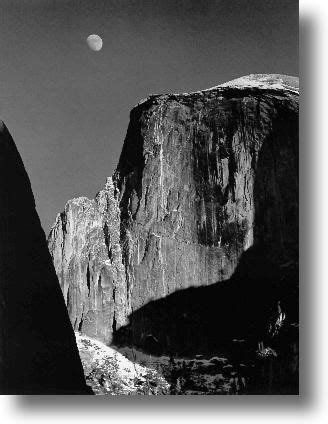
(95, 42)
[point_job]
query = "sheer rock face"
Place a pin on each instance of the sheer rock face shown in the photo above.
(202, 178)
(38, 352)
(85, 246)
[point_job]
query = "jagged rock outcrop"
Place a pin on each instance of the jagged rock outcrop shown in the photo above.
(85, 246)
(206, 191)
(38, 352)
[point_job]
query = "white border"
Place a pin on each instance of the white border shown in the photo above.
(312, 406)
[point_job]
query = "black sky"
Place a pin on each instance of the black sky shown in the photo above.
(68, 107)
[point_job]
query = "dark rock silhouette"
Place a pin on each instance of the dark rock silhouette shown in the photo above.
(38, 353)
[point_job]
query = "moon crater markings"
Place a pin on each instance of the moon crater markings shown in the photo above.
(95, 42)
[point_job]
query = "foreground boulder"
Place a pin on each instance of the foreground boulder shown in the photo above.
(194, 240)
(38, 352)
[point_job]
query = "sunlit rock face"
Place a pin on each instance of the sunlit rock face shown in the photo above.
(202, 178)
(38, 352)
(85, 246)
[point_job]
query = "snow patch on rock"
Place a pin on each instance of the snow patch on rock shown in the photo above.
(263, 81)
(108, 372)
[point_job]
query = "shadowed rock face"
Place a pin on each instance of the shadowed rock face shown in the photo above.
(38, 353)
(205, 181)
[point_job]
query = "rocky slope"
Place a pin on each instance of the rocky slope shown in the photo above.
(196, 233)
(38, 352)
(109, 372)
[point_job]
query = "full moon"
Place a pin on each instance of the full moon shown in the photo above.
(94, 42)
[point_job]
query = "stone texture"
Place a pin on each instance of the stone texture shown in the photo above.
(38, 352)
(85, 246)
(204, 180)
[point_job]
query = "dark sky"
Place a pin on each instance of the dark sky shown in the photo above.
(67, 107)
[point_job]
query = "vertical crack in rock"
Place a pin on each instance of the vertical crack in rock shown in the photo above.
(114, 319)
(88, 279)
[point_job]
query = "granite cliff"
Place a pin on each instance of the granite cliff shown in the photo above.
(38, 352)
(194, 239)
